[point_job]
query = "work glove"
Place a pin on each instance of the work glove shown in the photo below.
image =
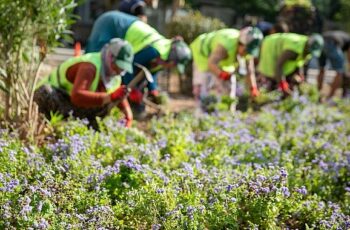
(119, 93)
(225, 76)
(284, 86)
(254, 92)
(136, 96)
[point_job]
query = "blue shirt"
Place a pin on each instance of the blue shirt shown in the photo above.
(112, 24)
(130, 6)
(144, 57)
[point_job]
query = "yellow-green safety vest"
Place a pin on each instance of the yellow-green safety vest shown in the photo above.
(141, 35)
(272, 48)
(203, 45)
(58, 78)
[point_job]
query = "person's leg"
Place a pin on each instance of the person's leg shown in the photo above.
(335, 84)
(346, 85)
(322, 63)
(337, 59)
(320, 78)
(196, 82)
(51, 100)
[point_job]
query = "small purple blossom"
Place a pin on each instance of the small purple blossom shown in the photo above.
(156, 226)
(285, 191)
(302, 190)
(283, 173)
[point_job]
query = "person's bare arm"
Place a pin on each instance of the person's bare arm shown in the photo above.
(251, 73)
(282, 59)
(220, 53)
(81, 95)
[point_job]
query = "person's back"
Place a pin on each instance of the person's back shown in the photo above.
(336, 43)
(272, 48)
(205, 44)
(112, 24)
(341, 38)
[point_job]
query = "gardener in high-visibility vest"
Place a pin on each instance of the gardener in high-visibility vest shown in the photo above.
(87, 86)
(151, 49)
(215, 60)
(283, 55)
(136, 7)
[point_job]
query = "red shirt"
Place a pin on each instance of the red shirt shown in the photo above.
(81, 75)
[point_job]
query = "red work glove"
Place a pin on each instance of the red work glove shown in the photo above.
(124, 106)
(284, 86)
(136, 96)
(254, 92)
(224, 75)
(119, 93)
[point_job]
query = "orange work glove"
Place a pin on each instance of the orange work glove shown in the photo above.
(136, 96)
(254, 92)
(225, 76)
(284, 86)
(119, 93)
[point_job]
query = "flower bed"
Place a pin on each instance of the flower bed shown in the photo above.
(286, 167)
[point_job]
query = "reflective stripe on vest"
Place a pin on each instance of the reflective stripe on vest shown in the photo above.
(272, 48)
(203, 45)
(141, 35)
(58, 77)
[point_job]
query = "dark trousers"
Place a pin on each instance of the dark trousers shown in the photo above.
(53, 100)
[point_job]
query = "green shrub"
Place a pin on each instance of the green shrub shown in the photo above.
(192, 25)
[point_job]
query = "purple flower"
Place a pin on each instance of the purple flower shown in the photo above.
(40, 206)
(43, 224)
(190, 211)
(302, 190)
(265, 189)
(285, 191)
(283, 173)
(156, 226)
(26, 209)
(323, 165)
(162, 143)
(229, 187)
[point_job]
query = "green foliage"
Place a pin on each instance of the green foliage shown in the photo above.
(343, 16)
(284, 167)
(194, 23)
(213, 103)
(267, 9)
(28, 30)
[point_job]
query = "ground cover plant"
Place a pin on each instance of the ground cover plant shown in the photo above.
(284, 167)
